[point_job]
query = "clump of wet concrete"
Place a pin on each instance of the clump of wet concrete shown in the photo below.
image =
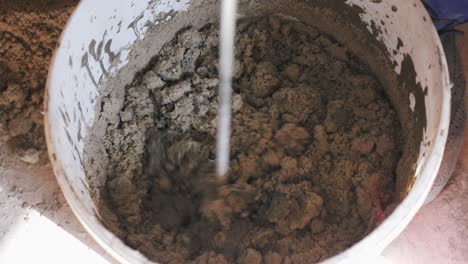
(315, 144)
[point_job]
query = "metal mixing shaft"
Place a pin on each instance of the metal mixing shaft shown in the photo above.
(226, 64)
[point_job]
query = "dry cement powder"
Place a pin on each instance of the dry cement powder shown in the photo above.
(315, 144)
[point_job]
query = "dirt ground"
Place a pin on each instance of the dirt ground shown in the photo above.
(29, 33)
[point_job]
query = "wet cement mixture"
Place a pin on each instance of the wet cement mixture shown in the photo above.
(29, 33)
(315, 145)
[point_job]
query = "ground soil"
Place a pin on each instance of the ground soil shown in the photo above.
(315, 144)
(29, 33)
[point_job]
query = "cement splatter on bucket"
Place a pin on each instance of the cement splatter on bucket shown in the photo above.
(98, 65)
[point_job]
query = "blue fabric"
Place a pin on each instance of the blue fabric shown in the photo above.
(447, 14)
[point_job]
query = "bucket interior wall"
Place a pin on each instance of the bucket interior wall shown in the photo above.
(97, 58)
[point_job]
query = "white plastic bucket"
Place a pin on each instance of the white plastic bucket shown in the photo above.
(97, 42)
